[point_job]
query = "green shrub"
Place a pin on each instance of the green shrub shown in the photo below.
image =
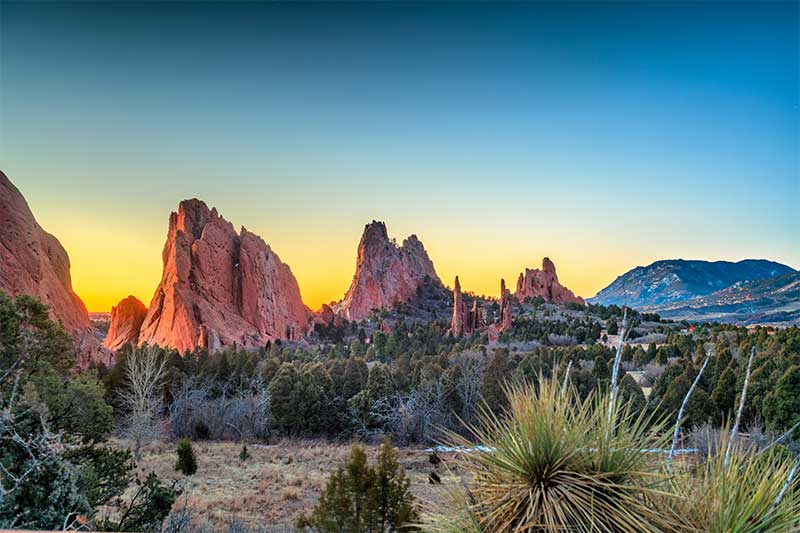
(146, 509)
(244, 455)
(364, 498)
(187, 462)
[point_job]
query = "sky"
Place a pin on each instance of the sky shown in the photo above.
(604, 136)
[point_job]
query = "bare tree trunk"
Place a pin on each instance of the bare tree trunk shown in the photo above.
(680, 412)
(735, 428)
(566, 377)
(142, 399)
(612, 398)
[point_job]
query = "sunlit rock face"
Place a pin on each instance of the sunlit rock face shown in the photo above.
(544, 283)
(385, 273)
(126, 320)
(219, 287)
(33, 262)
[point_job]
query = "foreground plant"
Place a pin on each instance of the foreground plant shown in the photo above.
(552, 462)
(741, 491)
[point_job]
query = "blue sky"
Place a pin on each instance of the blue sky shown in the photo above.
(605, 136)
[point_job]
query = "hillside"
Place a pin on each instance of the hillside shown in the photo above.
(769, 301)
(675, 280)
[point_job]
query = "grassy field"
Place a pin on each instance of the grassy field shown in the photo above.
(276, 485)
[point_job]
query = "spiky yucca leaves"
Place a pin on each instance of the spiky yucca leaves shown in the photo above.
(740, 496)
(452, 512)
(552, 462)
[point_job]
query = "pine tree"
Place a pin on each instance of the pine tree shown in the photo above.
(244, 455)
(362, 498)
(394, 501)
(187, 462)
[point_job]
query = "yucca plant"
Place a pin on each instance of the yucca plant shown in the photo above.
(751, 493)
(552, 462)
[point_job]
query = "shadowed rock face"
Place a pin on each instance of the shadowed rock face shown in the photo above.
(33, 262)
(219, 287)
(385, 273)
(544, 283)
(126, 320)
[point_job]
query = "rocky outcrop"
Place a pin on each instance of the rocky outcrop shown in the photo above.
(504, 319)
(33, 262)
(544, 283)
(476, 317)
(458, 324)
(385, 273)
(219, 287)
(469, 319)
(505, 307)
(326, 317)
(126, 320)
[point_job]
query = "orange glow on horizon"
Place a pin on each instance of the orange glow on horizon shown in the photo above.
(100, 287)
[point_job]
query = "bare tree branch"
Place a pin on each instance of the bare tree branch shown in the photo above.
(735, 428)
(680, 412)
(615, 374)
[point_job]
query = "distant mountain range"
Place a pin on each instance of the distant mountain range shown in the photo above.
(746, 292)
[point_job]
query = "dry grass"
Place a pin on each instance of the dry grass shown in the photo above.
(276, 485)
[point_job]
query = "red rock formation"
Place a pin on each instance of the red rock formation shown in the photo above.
(505, 307)
(465, 319)
(544, 283)
(476, 317)
(385, 273)
(326, 317)
(219, 287)
(458, 324)
(504, 322)
(126, 319)
(33, 262)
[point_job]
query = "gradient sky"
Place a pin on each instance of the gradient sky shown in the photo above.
(603, 136)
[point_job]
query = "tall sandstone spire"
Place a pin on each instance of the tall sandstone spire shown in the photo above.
(385, 273)
(459, 320)
(219, 287)
(505, 307)
(33, 262)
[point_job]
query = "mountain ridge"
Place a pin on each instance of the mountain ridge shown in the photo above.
(673, 280)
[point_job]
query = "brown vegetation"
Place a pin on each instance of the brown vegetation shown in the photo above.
(278, 484)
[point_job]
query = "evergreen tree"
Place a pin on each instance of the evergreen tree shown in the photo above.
(187, 462)
(724, 395)
(494, 378)
(365, 499)
(782, 405)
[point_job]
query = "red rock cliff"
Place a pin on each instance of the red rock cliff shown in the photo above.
(385, 273)
(219, 287)
(33, 262)
(544, 283)
(126, 319)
